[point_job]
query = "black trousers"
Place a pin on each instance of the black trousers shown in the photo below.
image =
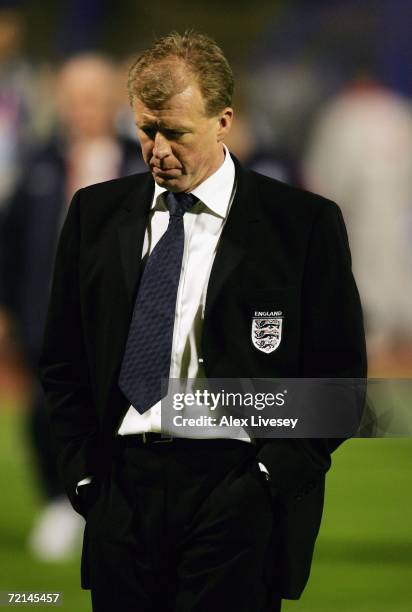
(181, 526)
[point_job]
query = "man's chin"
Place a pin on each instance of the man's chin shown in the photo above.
(170, 183)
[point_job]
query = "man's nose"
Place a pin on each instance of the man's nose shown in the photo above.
(161, 147)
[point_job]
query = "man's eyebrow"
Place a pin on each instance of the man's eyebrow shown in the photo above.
(159, 125)
(146, 124)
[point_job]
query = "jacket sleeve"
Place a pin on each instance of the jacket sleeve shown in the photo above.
(63, 367)
(333, 346)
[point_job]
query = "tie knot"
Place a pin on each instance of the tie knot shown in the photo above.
(179, 203)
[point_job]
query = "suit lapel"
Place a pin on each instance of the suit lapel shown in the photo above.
(241, 224)
(131, 231)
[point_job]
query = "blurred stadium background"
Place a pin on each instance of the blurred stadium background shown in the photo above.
(323, 101)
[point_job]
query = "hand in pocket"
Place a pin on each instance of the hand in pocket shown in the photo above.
(88, 494)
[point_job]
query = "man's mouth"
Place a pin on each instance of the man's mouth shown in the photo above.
(166, 172)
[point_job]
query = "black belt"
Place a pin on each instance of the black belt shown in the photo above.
(151, 437)
(147, 437)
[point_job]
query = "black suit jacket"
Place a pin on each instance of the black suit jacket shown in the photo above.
(282, 248)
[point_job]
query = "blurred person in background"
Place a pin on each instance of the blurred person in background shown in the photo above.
(24, 107)
(26, 110)
(360, 154)
(83, 150)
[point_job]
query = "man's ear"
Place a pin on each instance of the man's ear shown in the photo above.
(225, 122)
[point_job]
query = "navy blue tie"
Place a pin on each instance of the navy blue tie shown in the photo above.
(149, 343)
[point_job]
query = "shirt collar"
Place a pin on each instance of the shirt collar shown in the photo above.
(215, 192)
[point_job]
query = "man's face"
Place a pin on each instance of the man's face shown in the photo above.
(180, 144)
(86, 98)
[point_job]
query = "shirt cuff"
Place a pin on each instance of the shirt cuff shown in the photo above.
(264, 469)
(83, 482)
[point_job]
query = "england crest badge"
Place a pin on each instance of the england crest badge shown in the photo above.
(267, 330)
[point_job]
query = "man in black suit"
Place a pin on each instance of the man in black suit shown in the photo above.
(190, 524)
